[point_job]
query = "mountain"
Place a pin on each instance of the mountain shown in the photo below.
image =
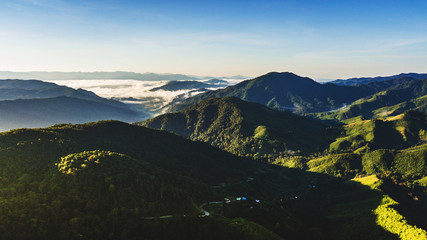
(94, 75)
(34, 103)
(244, 128)
(13, 89)
(397, 132)
(403, 94)
(286, 91)
(185, 85)
(366, 80)
(112, 180)
(216, 81)
(78, 192)
(102, 75)
(43, 112)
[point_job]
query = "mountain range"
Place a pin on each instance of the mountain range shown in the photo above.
(102, 75)
(33, 103)
(276, 157)
(366, 80)
(287, 91)
(403, 94)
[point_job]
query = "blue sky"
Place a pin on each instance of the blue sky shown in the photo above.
(319, 39)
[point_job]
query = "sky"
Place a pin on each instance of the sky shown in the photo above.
(323, 39)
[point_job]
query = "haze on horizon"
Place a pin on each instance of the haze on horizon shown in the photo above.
(333, 39)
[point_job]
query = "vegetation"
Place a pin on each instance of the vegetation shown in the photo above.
(361, 178)
(111, 180)
(388, 217)
(403, 94)
(397, 132)
(287, 91)
(245, 129)
(392, 221)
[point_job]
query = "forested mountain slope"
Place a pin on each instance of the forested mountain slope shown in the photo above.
(111, 180)
(245, 128)
(286, 91)
(403, 94)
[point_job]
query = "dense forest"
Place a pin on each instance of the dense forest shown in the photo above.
(111, 180)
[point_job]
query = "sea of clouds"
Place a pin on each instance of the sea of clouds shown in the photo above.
(135, 92)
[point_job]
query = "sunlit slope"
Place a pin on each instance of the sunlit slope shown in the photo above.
(407, 94)
(396, 132)
(111, 180)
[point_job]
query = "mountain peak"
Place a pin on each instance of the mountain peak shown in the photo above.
(281, 74)
(286, 76)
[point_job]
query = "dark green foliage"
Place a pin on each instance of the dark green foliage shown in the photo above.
(412, 162)
(346, 164)
(244, 128)
(111, 180)
(184, 157)
(386, 136)
(51, 190)
(378, 161)
(393, 133)
(94, 195)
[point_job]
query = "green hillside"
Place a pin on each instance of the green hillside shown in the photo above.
(245, 128)
(409, 164)
(401, 96)
(73, 181)
(396, 132)
(111, 180)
